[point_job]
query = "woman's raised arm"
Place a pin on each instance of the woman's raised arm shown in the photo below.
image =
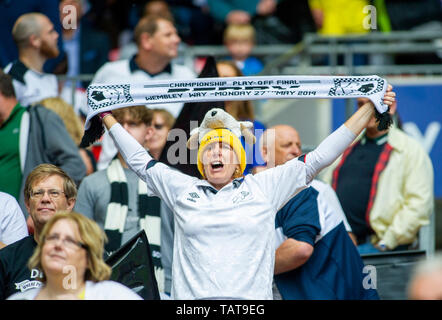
(336, 143)
(161, 180)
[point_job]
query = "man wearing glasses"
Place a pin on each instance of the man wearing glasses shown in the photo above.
(48, 189)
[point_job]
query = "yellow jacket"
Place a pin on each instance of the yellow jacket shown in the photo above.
(405, 194)
(341, 17)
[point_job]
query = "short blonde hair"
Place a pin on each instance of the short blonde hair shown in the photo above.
(239, 32)
(138, 114)
(66, 112)
(92, 236)
(44, 171)
(148, 24)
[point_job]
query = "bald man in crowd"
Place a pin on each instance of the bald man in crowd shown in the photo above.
(36, 41)
(315, 257)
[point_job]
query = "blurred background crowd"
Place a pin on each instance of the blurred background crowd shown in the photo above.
(53, 49)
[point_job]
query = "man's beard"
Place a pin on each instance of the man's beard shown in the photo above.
(48, 51)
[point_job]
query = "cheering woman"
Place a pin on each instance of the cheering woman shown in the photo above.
(225, 223)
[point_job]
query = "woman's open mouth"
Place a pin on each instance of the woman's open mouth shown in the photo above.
(217, 165)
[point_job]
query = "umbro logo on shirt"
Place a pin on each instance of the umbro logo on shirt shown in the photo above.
(193, 196)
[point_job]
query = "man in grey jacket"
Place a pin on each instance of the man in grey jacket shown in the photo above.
(31, 136)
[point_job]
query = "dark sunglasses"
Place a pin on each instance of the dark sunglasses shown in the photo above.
(158, 126)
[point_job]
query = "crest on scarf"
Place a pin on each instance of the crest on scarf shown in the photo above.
(356, 86)
(109, 95)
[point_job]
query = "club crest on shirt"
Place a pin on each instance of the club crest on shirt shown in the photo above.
(27, 284)
(30, 284)
(241, 196)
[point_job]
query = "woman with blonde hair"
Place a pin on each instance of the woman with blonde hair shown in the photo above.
(70, 257)
(66, 112)
(225, 223)
(73, 126)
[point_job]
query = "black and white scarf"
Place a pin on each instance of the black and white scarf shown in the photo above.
(148, 212)
(113, 96)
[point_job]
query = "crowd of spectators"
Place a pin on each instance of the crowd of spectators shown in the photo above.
(92, 32)
(42, 121)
